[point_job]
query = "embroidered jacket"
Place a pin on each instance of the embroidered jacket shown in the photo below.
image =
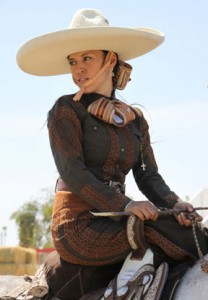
(89, 152)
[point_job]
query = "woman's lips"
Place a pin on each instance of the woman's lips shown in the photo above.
(81, 81)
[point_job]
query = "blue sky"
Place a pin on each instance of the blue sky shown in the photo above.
(169, 82)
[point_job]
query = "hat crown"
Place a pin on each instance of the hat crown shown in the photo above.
(88, 18)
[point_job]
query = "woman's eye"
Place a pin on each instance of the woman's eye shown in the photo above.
(71, 62)
(87, 58)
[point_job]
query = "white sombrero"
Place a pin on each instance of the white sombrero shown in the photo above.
(89, 30)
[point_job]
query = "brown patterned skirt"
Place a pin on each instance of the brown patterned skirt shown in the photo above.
(81, 238)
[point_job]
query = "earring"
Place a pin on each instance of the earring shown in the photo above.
(112, 73)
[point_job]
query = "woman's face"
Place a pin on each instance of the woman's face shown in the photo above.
(85, 65)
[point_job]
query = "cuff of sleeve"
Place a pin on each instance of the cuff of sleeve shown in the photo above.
(125, 208)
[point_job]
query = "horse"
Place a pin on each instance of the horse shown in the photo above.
(193, 285)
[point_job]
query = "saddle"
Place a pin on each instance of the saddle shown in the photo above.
(139, 288)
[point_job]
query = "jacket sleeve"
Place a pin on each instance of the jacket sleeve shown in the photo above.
(65, 134)
(149, 181)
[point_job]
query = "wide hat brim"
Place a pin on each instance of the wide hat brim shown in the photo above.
(46, 55)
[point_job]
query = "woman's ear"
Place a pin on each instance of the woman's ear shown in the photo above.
(113, 60)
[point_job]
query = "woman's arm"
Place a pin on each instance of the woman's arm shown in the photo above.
(149, 181)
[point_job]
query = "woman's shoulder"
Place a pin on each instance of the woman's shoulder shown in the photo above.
(61, 104)
(64, 100)
(66, 106)
(138, 111)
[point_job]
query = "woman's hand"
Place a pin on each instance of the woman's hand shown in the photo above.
(144, 210)
(181, 217)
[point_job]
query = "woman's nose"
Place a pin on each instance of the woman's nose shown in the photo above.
(80, 69)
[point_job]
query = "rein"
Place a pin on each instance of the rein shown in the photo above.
(203, 262)
(162, 211)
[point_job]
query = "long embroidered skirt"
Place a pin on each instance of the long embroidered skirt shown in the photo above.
(81, 238)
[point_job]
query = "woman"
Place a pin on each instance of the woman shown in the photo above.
(96, 140)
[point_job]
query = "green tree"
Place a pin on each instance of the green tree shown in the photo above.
(33, 220)
(46, 213)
